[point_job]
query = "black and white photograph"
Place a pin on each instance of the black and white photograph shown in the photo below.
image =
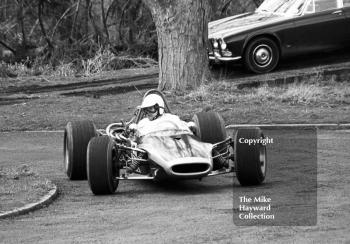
(174, 121)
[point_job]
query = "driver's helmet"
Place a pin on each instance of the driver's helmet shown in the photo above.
(152, 106)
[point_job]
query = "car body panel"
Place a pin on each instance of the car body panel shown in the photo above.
(242, 24)
(181, 150)
(320, 31)
(168, 141)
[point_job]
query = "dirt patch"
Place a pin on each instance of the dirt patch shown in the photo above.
(15, 99)
(20, 186)
(113, 90)
(41, 85)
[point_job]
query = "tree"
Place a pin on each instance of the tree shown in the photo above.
(182, 29)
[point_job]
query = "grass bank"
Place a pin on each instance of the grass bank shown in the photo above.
(315, 102)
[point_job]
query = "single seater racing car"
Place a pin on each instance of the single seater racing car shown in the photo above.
(156, 145)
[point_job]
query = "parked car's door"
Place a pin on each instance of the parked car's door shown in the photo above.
(322, 26)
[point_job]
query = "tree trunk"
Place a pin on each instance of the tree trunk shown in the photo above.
(182, 29)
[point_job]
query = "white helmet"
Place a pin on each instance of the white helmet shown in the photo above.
(153, 101)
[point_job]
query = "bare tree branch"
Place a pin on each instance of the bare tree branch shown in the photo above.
(225, 7)
(111, 8)
(33, 28)
(91, 18)
(126, 4)
(104, 20)
(20, 17)
(257, 2)
(40, 10)
(75, 19)
(8, 47)
(60, 19)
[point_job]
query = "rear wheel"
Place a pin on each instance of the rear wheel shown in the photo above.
(261, 55)
(250, 160)
(102, 168)
(76, 138)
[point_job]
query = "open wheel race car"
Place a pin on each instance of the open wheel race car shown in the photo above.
(157, 145)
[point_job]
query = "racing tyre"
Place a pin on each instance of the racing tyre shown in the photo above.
(210, 127)
(76, 138)
(250, 160)
(261, 55)
(101, 168)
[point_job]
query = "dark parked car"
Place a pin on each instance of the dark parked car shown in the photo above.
(280, 28)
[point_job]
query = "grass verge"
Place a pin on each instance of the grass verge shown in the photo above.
(20, 186)
(315, 102)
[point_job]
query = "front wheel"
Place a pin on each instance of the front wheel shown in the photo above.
(210, 127)
(250, 159)
(102, 168)
(261, 55)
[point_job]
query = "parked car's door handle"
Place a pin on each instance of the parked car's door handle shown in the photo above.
(338, 12)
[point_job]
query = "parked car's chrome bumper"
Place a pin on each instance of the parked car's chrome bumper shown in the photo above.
(217, 57)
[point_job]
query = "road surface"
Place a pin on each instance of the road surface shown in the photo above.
(185, 212)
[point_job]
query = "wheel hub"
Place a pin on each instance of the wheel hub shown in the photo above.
(262, 159)
(66, 157)
(262, 55)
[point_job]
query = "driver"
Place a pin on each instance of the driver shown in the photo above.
(155, 120)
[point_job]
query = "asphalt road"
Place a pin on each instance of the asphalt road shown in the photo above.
(185, 212)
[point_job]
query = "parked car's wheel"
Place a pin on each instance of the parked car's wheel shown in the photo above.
(261, 55)
(76, 138)
(210, 127)
(102, 168)
(250, 160)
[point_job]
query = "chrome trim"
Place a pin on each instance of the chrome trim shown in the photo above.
(221, 171)
(134, 177)
(263, 55)
(225, 58)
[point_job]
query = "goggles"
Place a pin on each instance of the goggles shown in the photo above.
(151, 109)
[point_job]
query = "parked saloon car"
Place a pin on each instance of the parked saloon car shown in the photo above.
(280, 28)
